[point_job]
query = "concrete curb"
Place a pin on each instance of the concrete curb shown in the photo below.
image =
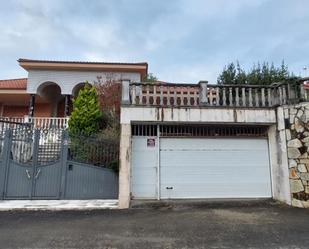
(57, 205)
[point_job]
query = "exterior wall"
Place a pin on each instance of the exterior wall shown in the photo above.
(40, 110)
(207, 115)
(67, 80)
(14, 111)
(297, 138)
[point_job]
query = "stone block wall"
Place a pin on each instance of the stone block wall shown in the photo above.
(297, 135)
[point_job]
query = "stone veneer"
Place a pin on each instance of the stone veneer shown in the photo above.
(297, 136)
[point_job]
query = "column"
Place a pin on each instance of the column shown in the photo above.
(125, 166)
(67, 105)
(31, 105)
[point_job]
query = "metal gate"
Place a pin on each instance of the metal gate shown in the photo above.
(40, 164)
(32, 171)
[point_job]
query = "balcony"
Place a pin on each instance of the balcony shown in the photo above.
(212, 95)
(35, 122)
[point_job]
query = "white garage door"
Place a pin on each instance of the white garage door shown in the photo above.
(214, 168)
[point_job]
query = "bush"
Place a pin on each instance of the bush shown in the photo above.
(86, 115)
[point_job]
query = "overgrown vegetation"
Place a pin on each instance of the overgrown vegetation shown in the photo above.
(94, 125)
(150, 78)
(259, 74)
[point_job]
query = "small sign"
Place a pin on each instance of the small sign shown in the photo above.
(151, 142)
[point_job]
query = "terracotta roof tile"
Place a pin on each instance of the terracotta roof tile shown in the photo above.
(14, 84)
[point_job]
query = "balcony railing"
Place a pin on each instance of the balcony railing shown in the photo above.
(204, 94)
(37, 122)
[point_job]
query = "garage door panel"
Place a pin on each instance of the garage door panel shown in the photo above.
(230, 158)
(214, 168)
(144, 169)
(247, 144)
(215, 190)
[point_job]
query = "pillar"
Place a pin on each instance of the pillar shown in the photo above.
(67, 105)
(279, 160)
(125, 166)
(31, 105)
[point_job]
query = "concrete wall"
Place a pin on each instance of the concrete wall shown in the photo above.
(67, 80)
(279, 160)
(205, 115)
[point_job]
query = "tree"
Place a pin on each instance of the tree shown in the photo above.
(228, 75)
(150, 78)
(109, 94)
(259, 74)
(86, 115)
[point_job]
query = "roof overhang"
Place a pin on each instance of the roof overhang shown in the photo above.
(28, 64)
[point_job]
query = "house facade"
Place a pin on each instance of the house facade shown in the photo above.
(47, 91)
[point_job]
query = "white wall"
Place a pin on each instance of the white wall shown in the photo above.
(211, 115)
(68, 79)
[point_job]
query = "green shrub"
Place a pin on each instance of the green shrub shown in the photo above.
(86, 115)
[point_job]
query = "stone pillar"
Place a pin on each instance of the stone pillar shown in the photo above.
(31, 105)
(67, 105)
(125, 166)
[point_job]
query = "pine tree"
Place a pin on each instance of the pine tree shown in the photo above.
(86, 115)
(228, 75)
(257, 75)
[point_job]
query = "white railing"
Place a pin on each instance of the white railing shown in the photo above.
(40, 122)
(204, 94)
(45, 123)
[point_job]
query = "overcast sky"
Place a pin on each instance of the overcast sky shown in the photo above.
(183, 41)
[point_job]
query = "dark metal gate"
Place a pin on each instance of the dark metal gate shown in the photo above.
(39, 164)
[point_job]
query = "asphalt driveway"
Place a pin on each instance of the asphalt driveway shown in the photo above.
(241, 225)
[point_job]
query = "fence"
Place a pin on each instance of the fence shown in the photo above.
(69, 167)
(204, 94)
(39, 122)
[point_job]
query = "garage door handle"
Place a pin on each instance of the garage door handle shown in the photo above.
(169, 187)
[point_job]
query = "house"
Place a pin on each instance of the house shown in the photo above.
(196, 141)
(46, 93)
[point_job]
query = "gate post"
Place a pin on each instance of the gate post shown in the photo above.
(63, 160)
(5, 161)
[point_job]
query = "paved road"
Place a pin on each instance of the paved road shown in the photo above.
(266, 225)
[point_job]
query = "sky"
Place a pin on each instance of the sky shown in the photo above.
(182, 40)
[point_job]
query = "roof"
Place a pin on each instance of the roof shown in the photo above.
(20, 84)
(83, 62)
(29, 64)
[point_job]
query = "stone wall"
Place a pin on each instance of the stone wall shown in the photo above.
(297, 136)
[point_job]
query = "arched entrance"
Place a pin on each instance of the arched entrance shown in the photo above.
(52, 101)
